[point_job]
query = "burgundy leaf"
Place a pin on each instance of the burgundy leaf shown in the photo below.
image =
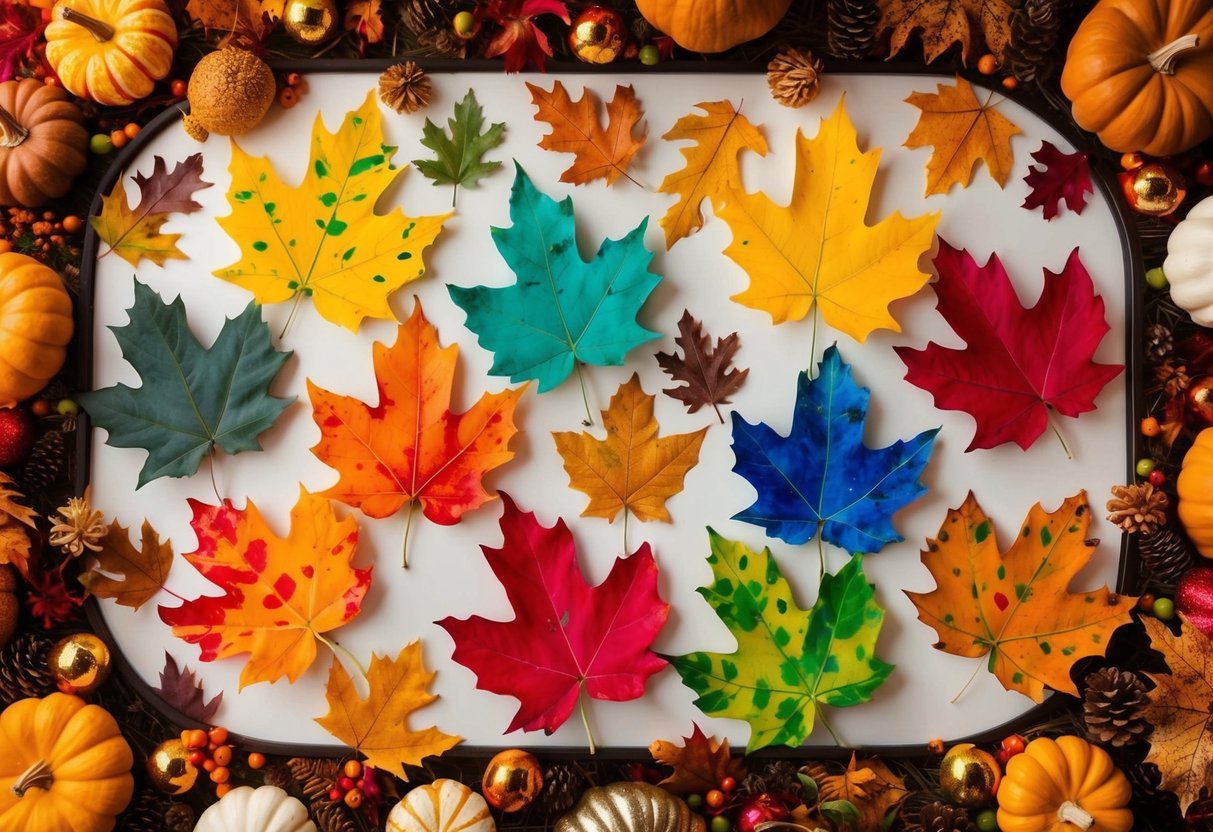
(1061, 177)
(166, 192)
(181, 689)
(20, 28)
(707, 373)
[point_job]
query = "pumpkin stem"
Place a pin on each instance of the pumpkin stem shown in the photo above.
(12, 133)
(1163, 58)
(1072, 813)
(99, 29)
(37, 776)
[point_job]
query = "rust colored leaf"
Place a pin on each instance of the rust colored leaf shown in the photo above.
(870, 786)
(599, 153)
(699, 764)
(707, 373)
(946, 22)
(140, 573)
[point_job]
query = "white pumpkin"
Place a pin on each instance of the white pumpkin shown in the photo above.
(1189, 263)
(441, 806)
(265, 809)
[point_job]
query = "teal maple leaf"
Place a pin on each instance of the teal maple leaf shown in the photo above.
(561, 310)
(460, 158)
(192, 399)
(788, 661)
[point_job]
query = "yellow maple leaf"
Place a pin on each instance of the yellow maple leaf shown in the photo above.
(819, 249)
(711, 167)
(14, 541)
(377, 726)
(963, 132)
(632, 469)
(323, 239)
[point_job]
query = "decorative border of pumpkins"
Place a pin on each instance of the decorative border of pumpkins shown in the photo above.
(80, 76)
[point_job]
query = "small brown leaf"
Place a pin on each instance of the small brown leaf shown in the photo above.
(699, 764)
(706, 371)
(870, 785)
(141, 573)
(14, 540)
(598, 153)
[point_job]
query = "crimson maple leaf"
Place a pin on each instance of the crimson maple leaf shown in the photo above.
(566, 634)
(20, 28)
(1060, 177)
(1019, 363)
(520, 40)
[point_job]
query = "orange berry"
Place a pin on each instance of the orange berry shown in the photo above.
(1131, 161)
(353, 798)
(1150, 426)
(217, 735)
(935, 746)
(197, 739)
(352, 769)
(293, 79)
(6, 246)
(119, 138)
(1010, 82)
(221, 774)
(287, 98)
(987, 64)
(222, 789)
(256, 760)
(131, 130)
(209, 765)
(714, 798)
(222, 755)
(42, 407)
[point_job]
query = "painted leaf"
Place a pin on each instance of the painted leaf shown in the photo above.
(711, 169)
(962, 132)
(323, 239)
(1019, 364)
(821, 477)
(707, 373)
(1060, 177)
(128, 575)
(459, 158)
(378, 725)
(1180, 708)
(133, 233)
(562, 310)
(789, 661)
(181, 689)
(243, 19)
(14, 520)
(192, 399)
(1018, 608)
(699, 764)
(566, 636)
(280, 594)
(410, 447)
(632, 469)
(820, 249)
(947, 22)
(598, 152)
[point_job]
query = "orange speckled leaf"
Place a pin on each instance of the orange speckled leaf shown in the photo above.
(1019, 608)
(598, 153)
(279, 594)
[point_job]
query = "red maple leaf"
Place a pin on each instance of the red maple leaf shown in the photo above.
(1062, 176)
(520, 40)
(566, 634)
(1019, 363)
(20, 28)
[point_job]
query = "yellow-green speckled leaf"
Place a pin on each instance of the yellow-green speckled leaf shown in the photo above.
(323, 238)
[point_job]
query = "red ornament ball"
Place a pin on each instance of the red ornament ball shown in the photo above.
(1194, 598)
(1199, 400)
(17, 435)
(598, 35)
(760, 809)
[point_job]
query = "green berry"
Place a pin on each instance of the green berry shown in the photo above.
(1144, 466)
(67, 407)
(101, 144)
(694, 802)
(1163, 609)
(987, 821)
(649, 55)
(720, 824)
(1155, 279)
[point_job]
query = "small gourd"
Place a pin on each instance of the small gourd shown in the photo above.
(264, 809)
(441, 806)
(713, 25)
(1189, 263)
(35, 326)
(42, 143)
(1195, 489)
(1063, 785)
(230, 91)
(630, 807)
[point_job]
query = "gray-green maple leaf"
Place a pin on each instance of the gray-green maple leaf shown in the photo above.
(192, 398)
(460, 158)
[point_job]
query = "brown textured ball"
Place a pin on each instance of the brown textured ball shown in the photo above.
(230, 92)
(9, 605)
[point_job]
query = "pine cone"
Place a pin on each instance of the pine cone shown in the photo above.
(563, 785)
(794, 77)
(1160, 342)
(279, 775)
(23, 668)
(1031, 52)
(780, 776)
(422, 15)
(851, 28)
(144, 814)
(332, 817)
(1138, 508)
(940, 817)
(405, 87)
(1111, 707)
(179, 817)
(314, 776)
(45, 463)
(1172, 377)
(1166, 553)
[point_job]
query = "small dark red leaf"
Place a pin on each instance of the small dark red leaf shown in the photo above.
(707, 373)
(20, 28)
(1061, 177)
(181, 689)
(519, 39)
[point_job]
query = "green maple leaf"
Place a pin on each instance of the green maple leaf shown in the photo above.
(788, 661)
(460, 158)
(192, 398)
(562, 309)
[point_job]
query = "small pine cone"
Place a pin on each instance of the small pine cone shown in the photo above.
(405, 87)
(1111, 708)
(563, 785)
(315, 776)
(1031, 51)
(46, 461)
(443, 42)
(1138, 508)
(794, 77)
(179, 817)
(1160, 342)
(1166, 553)
(144, 814)
(851, 27)
(279, 775)
(1172, 377)
(780, 776)
(23, 668)
(940, 817)
(422, 15)
(332, 817)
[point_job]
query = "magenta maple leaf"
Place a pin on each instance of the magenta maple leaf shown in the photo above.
(566, 634)
(1061, 177)
(1019, 363)
(20, 28)
(520, 40)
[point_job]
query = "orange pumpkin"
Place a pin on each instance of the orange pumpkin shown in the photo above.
(35, 326)
(713, 25)
(1140, 74)
(42, 143)
(1195, 489)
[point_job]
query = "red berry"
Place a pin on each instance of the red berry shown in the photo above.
(345, 784)
(198, 758)
(1156, 477)
(728, 784)
(714, 798)
(178, 88)
(1204, 173)
(1014, 744)
(335, 794)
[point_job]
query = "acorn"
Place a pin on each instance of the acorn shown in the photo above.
(229, 92)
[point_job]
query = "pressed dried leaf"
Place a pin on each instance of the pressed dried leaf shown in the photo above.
(599, 153)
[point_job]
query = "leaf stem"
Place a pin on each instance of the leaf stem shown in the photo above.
(821, 717)
(813, 342)
(408, 525)
(961, 692)
(718, 413)
(821, 557)
(454, 193)
(585, 719)
(210, 467)
(341, 652)
(1057, 433)
(625, 529)
(585, 398)
(291, 317)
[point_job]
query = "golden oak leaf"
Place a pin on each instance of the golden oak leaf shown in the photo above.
(141, 572)
(14, 541)
(819, 249)
(699, 764)
(632, 469)
(598, 153)
(868, 784)
(962, 132)
(1180, 708)
(945, 22)
(1018, 607)
(254, 19)
(280, 594)
(378, 726)
(711, 168)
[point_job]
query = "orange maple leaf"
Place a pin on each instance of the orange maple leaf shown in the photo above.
(14, 520)
(378, 725)
(599, 153)
(409, 447)
(963, 132)
(249, 19)
(699, 764)
(945, 22)
(1018, 608)
(869, 785)
(632, 469)
(280, 593)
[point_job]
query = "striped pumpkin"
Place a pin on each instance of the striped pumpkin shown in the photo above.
(441, 806)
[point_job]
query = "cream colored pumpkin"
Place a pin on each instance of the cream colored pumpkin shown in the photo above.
(265, 809)
(441, 806)
(1189, 263)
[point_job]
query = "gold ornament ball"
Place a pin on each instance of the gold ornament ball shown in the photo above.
(1155, 189)
(310, 22)
(969, 776)
(170, 769)
(512, 780)
(598, 35)
(80, 663)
